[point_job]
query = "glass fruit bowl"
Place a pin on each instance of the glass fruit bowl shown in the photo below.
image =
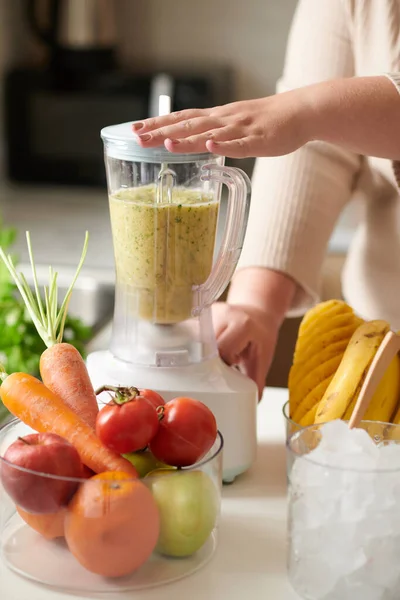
(108, 532)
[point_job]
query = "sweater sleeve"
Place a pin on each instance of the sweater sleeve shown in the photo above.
(395, 79)
(297, 198)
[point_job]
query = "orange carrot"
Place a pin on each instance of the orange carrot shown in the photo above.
(38, 407)
(62, 368)
(64, 372)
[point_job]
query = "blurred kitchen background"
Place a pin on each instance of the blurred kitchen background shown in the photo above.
(70, 67)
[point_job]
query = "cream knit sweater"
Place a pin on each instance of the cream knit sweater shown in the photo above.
(298, 198)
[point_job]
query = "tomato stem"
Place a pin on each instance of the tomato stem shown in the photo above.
(160, 412)
(122, 394)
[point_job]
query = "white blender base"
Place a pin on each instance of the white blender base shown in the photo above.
(231, 396)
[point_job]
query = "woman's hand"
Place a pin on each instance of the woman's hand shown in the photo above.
(361, 114)
(264, 127)
(246, 338)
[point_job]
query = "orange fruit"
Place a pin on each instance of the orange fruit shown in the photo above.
(50, 526)
(112, 524)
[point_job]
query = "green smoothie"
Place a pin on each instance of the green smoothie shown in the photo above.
(162, 249)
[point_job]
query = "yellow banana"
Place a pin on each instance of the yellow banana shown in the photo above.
(322, 348)
(383, 403)
(346, 383)
(302, 389)
(305, 342)
(326, 338)
(301, 370)
(313, 398)
(309, 418)
(323, 310)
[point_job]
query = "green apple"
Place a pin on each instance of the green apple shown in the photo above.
(188, 502)
(144, 462)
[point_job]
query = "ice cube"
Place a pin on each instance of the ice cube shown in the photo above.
(306, 473)
(364, 442)
(336, 437)
(389, 456)
(345, 448)
(311, 511)
(346, 590)
(360, 462)
(341, 549)
(308, 542)
(357, 495)
(383, 561)
(311, 577)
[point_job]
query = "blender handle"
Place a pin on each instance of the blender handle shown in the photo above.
(238, 184)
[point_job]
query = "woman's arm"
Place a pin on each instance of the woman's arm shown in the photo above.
(361, 114)
(297, 198)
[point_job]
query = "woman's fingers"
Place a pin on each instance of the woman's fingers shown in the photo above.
(166, 120)
(232, 342)
(235, 148)
(199, 142)
(186, 129)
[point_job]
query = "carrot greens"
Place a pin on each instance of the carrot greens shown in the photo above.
(48, 319)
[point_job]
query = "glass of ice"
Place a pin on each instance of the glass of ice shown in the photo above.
(344, 512)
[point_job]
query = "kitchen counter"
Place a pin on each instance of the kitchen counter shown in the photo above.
(57, 219)
(250, 561)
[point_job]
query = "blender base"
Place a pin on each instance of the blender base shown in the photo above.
(231, 396)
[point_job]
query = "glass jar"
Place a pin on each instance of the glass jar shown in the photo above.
(344, 521)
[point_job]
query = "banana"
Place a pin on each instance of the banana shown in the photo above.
(302, 390)
(305, 343)
(334, 333)
(312, 399)
(383, 403)
(323, 310)
(309, 418)
(300, 371)
(396, 418)
(322, 348)
(346, 383)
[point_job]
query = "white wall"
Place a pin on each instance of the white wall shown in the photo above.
(249, 34)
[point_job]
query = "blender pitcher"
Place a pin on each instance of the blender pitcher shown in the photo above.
(164, 212)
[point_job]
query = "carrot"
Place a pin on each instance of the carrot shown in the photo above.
(64, 372)
(38, 407)
(62, 368)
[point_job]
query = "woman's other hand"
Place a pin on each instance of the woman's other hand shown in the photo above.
(247, 339)
(247, 325)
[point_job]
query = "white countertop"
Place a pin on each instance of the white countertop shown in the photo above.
(250, 562)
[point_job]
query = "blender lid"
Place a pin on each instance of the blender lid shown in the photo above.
(120, 142)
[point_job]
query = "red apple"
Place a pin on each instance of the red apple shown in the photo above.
(47, 454)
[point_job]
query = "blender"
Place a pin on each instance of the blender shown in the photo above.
(164, 211)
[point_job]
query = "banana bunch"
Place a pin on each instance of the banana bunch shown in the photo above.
(324, 334)
(333, 353)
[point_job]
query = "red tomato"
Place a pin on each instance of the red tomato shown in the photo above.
(127, 427)
(187, 431)
(153, 397)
